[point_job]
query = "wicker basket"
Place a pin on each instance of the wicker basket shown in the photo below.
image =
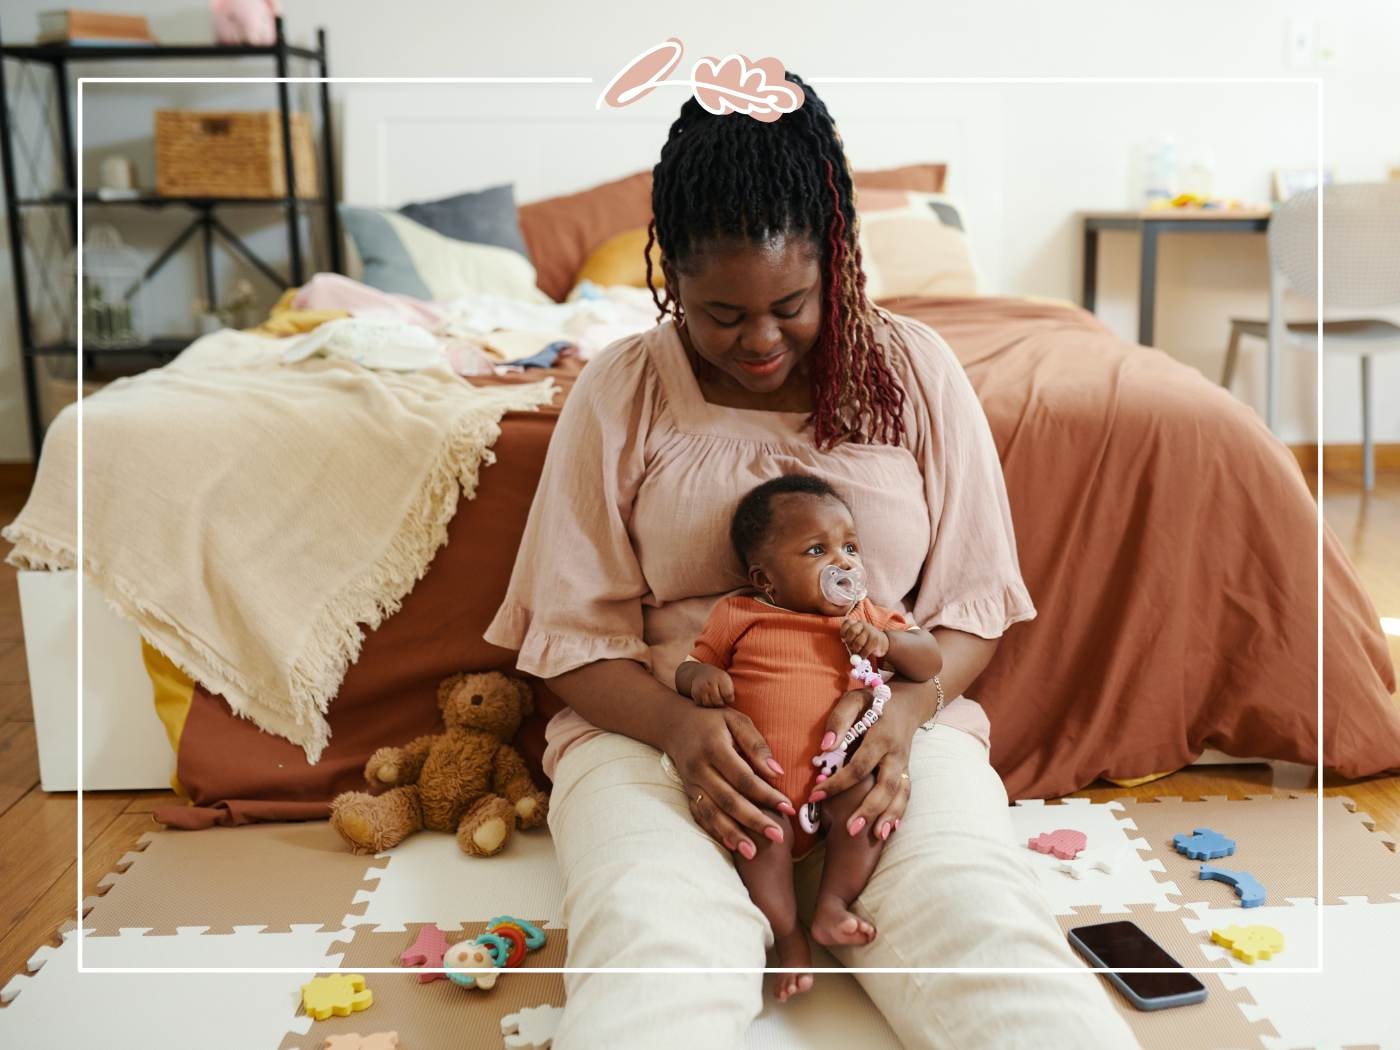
(225, 154)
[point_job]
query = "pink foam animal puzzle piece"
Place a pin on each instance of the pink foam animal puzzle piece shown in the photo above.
(1064, 843)
(1249, 942)
(340, 994)
(428, 950)
(355, 1041)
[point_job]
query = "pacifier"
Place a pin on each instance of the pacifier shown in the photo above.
(843, 586)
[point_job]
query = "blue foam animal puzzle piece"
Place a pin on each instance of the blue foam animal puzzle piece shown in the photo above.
(1203, 844)
(1249, 889)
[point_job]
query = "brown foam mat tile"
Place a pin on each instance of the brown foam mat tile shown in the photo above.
(1218, 1022)
(437, 1013)
(1276, 842)
(268, 875)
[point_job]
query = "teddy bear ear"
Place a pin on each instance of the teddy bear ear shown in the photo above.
(447, 687)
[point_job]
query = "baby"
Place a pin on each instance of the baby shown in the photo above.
(783, 657)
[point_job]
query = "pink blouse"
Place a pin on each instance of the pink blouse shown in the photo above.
(626, 548)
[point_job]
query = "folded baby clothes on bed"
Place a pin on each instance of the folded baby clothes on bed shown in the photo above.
(253, 518)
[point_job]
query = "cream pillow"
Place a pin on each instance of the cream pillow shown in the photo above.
(913, 244)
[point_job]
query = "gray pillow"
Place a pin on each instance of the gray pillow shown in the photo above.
(385, 261)
(485, 217)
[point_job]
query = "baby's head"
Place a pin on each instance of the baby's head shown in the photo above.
(786, 531)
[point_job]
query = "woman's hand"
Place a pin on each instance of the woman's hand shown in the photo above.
(725, 766)
(884, 753)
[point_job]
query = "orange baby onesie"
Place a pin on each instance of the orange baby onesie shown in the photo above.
(789, 669)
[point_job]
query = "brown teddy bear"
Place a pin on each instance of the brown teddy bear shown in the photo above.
(466, 779)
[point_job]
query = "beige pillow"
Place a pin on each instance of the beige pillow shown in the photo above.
(913, 244)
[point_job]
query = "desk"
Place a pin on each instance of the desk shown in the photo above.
(1150, 225)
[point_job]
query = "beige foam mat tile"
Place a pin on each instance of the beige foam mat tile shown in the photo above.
(268, 875)
(1276, 842)
(438, 1013)
(1218, 1022)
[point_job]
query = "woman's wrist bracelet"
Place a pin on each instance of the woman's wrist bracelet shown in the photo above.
(938, 684)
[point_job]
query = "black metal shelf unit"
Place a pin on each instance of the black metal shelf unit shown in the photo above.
(205, 221)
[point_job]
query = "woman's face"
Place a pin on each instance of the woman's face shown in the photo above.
(807, 534)
(752, 311)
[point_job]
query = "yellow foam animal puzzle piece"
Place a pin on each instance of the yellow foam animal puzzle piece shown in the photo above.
(1249, 942)
(340, 994)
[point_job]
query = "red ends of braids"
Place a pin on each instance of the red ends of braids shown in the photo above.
(855, 394)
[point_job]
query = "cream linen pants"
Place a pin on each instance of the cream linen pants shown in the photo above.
(645, 886)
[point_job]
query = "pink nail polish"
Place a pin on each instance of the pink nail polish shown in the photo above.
(897, 823)
(817, 796)
(773, 834)
(729, 845)
(828, 741)
(746, 848)
(885, 830)
(786, 807)
(856, 825)
(773, 765)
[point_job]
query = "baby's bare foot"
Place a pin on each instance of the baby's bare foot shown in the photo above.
(834, 923)
(793, 950)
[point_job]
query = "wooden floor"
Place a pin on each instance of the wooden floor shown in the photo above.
(38, 871)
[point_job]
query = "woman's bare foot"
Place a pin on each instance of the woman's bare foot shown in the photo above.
(793, 950)
(834, 923)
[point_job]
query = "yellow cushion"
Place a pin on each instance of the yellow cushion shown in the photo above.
(174, 692)
(621, 259)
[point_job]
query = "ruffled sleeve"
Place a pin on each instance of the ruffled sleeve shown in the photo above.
(575, 593)
(971, 579)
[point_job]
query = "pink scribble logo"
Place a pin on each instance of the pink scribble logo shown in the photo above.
(733, 84)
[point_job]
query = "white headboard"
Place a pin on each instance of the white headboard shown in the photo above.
(405, 142)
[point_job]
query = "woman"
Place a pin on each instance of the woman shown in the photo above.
(773, 361)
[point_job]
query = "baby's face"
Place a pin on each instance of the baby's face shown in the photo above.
(808, 533)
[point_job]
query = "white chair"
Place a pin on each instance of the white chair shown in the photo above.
(1362, 272)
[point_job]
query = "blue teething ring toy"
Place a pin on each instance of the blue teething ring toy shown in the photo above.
(498, 946)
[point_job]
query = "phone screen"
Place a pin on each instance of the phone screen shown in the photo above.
(1123, 944)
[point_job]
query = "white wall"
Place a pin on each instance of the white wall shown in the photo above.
(1032, 155)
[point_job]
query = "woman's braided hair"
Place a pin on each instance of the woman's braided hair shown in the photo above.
(736, 177)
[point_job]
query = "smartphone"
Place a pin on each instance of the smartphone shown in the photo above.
(1114, 945)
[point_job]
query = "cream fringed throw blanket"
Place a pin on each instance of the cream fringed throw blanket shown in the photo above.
(250, 516)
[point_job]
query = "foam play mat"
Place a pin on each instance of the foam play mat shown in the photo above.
(290, 898)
